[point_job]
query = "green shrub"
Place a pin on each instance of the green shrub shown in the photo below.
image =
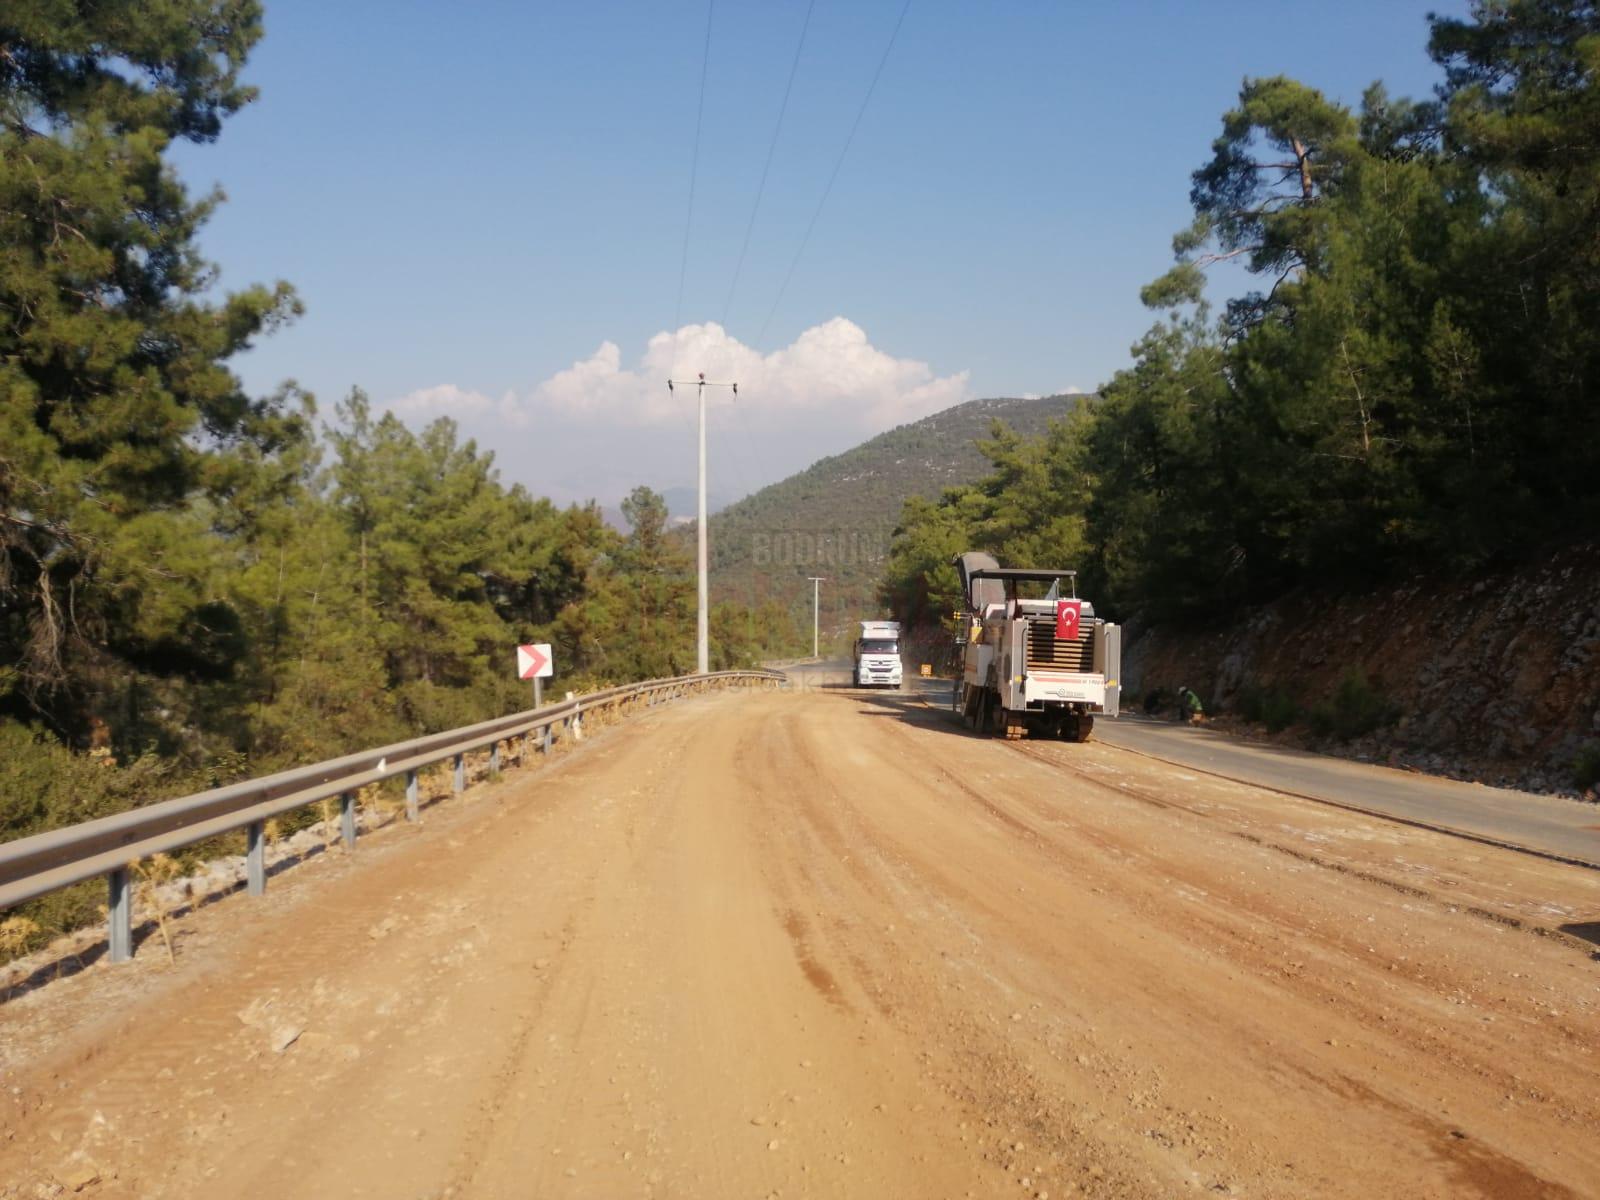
(1586, 766)
(1357, 707)
(1270, 706)
(44, 785)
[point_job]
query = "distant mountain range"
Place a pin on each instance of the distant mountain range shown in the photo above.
(835, 518)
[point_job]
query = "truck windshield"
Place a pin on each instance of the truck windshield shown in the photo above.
(879, 646)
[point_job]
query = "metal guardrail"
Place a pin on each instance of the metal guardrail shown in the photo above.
(46, 862)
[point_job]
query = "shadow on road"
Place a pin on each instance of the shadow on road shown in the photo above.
(1589, 931)
(927, 704)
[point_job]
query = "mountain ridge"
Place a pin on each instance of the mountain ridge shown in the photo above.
(835, 518)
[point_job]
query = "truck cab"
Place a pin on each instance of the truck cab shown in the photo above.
(877, 655)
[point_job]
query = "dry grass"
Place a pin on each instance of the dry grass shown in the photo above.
(327, 811)
(436, 782)
(153, 873)
(381, 801)
(16, 934)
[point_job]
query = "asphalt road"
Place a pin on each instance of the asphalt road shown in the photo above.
(1551, 825)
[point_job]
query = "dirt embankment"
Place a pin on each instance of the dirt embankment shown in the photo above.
(1494, 677)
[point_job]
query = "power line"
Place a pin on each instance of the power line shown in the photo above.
(838, 163)
(694, 170)
(767, 166)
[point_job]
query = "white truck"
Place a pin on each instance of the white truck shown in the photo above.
(1035, 658)
(877, 654)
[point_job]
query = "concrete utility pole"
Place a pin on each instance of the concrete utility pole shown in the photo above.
(703, 621)
(816, 583)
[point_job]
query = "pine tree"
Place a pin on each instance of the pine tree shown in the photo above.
(1522, 109)
(656, 571)
(118, 413)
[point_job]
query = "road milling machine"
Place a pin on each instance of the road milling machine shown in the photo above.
(1036, 660)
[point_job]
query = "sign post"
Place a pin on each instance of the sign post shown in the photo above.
(535, 662)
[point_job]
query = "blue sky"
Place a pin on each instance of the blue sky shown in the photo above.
(483, 207)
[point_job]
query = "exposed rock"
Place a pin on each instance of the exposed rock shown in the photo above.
(1492, 677)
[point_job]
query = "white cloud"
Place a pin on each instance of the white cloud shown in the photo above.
(831, 373)
(463, 404)
(445, 398)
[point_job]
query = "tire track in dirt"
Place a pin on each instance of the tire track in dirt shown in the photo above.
(1144, 795)
(1341, 952)
(769, 945)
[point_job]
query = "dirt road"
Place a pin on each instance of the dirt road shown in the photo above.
(826, 944)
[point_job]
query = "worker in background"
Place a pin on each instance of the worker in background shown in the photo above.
(1189, 707)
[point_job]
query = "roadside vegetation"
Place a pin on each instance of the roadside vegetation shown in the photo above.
(1406, 383)
(198, 584)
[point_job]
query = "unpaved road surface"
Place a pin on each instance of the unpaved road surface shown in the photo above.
(828, 944)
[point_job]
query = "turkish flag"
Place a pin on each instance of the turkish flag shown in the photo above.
(1067, 614)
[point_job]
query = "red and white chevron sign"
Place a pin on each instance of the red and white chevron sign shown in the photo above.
(535, 661)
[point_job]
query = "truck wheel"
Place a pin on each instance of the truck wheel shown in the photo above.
(1083, 729)
(984, 721)
(1000, 722)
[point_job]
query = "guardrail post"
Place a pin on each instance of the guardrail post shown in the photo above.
(347, 820)
(255, 840)
(459, 783)
(411, 795)
(494, 759)
(545, 737)
(119, 910)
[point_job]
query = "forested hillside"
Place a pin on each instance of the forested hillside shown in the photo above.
(1412, 379)
(835, 518)
(197, 583)
(1409, 387)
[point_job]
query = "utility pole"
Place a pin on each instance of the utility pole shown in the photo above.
(816, 583)
(703, 621)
